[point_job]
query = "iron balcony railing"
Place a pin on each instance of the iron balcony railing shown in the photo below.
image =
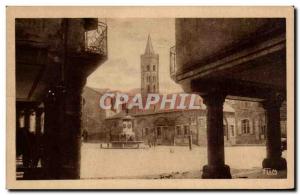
(96, 40)
(173, 62)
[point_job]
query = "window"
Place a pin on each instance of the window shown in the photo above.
(225, 130)
(193, 120)
(186, 129)
(245, 126)
(154, 88)
(148, 88)
(178, 130)
(200, 121)
(148, 68)
(22, 119)
(263, 130)
(153, 78)
(129, 125)
(153, 67)
(158, 131)
(146, 131)
(232, 130)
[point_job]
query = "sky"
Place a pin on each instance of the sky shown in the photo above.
(127, 39)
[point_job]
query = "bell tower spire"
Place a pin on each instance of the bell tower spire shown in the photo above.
(149, 70)
(149, 48)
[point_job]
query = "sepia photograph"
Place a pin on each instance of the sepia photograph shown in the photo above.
(175, 98)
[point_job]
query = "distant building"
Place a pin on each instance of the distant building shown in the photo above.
(250, 121)
(170, 127)
(244, 122)
(92, 115)
(167, 126)
(149, 70)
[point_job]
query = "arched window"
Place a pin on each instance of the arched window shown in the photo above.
(153, 67)
(245, 126)
(154, 88)
(148, 68)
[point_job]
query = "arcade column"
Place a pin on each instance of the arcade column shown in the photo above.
(63, 132)
(272, 106)
(216, 168)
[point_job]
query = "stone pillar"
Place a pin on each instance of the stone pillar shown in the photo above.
(273, 135)
(63, 131)
(54, 104)
(71, 136)
(216, 168)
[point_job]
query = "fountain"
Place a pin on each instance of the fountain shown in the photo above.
(127, 138)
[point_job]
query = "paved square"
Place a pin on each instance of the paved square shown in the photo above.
(114, 163)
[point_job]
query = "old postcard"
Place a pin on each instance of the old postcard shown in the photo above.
(150, 98)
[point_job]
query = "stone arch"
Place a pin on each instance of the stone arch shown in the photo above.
(143, 127)
(161, 121)
(163, 131)
(181, 119)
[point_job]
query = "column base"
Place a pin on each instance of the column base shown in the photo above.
(216, 172)
(274, 163)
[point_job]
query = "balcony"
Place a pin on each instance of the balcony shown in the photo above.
(173, 62)
(96, 40)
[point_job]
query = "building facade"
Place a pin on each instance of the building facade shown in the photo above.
(170, 127)
(54, 57)
(250, 121)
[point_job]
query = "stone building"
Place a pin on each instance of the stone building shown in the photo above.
(250, 122)
(171, 127)
(92, 115)
(54, 56)
(234, 58)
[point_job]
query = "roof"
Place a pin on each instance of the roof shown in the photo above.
(226, 107)
(149, 48)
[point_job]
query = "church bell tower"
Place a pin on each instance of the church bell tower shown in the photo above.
(149, 70)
